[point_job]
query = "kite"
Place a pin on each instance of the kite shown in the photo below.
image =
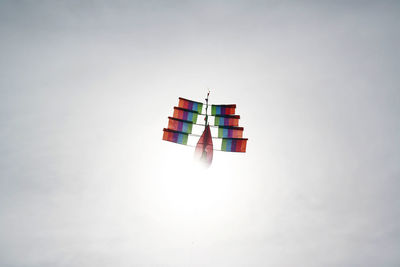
(226, 123)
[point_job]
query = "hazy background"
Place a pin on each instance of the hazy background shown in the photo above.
(86, 88)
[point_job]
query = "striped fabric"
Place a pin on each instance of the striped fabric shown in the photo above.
(230, 132)
(184, 114)
(223, 109)
(234, 144)
(175, 136)
(190, 105)
(230, 120)
(180, 125)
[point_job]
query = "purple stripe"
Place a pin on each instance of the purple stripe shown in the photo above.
(175, 137)
(234, 142)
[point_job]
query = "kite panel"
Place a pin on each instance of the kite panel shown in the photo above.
(234, 144)
(223, 109)
(180, 125)
(190, 105)
(175, 136)
(184, 114)
(230, 132)
(229, 120)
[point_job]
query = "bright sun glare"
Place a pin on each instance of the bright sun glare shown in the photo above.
(192, 193)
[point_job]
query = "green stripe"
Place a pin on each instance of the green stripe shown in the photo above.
(223, 145)
(220, 132)
(194, 119)
(199, 107)
(190, 126)
(216, 121)
(185, 139)
(213, 110)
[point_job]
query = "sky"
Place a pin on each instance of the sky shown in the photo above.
(86, 88)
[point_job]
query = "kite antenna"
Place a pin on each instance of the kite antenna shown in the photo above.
(204, 154)
(206, 119)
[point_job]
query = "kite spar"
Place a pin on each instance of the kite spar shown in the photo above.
(204, 147)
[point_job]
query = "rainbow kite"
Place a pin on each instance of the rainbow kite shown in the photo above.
(225, 125)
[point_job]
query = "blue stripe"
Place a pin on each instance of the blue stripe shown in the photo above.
(225, 132)
(194, 106)
(185, 127)
(218, 110)
(180, 138)
(229, 145)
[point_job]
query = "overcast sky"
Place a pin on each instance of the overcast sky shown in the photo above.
(86, 88)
